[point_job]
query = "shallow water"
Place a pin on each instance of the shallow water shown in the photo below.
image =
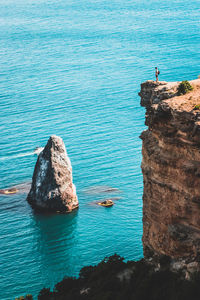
(74, 68)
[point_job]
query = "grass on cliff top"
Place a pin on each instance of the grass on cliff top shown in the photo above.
(197, 107)
(184, 88)
(113, 279)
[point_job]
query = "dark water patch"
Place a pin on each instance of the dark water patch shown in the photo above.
(101, 190)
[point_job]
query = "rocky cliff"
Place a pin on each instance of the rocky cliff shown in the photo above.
(171, 173)
(52, 188)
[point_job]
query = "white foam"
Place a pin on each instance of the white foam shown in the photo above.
(16, 156)
(23, 154)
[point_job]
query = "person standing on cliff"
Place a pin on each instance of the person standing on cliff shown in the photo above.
(157, 72)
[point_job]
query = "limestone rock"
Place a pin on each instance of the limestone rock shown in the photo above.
(153, 92)
(171, 174)
(52, 188)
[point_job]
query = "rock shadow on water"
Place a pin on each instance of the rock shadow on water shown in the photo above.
(55, 239)
(53, 225)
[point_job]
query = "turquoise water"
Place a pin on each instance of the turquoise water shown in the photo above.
(74, 68)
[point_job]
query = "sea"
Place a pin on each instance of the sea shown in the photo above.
(74, 69)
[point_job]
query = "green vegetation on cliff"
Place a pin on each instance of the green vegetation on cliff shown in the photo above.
(113, 279)
(184, 87)
(197, 107)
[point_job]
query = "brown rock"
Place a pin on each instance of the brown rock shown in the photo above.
(52, 188)
(171, 173)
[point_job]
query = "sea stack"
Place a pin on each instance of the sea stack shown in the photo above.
(52, 188)
(171, 173)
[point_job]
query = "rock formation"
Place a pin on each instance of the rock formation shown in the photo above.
(171, 173)
(52, 188)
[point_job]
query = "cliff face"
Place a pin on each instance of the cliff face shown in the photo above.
(171, 173)
(52, 188)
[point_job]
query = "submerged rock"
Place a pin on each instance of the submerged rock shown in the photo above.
(9, 191)
(106, 203)
(52, 188)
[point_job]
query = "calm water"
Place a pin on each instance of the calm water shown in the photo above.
(74, 68)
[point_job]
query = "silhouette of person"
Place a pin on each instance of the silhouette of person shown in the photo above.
(157, 72)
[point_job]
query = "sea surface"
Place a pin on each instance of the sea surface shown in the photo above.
(74, 68)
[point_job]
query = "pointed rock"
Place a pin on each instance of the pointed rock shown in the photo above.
(52, 188)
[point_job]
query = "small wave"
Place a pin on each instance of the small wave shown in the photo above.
(23, 154)
(38, 150)
(16, 156)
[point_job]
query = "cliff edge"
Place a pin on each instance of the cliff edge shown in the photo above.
(171, 174)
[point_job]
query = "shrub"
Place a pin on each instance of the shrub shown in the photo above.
(102, 282)
(86, 272)
(45, 294)
(197, 106)
(184, 87)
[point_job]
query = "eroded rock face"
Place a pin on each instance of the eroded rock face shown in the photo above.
(153, 92)
(52, 188)
(171, 173)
